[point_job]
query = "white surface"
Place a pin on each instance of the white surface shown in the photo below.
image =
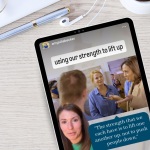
(17, 9)
(136, 6)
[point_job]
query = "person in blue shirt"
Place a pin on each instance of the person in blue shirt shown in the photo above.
(127, 87)
(99, 105)
(72, 89)
(113, 80)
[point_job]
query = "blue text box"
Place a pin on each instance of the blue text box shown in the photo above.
(120, 131)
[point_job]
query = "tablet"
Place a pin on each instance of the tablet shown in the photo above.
(96, 87)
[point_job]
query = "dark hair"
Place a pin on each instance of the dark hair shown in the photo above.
(119, 81)
(85, 141)
(51, 83)
(132, 63)
(112, 74)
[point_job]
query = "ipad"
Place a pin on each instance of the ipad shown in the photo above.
(96, 87)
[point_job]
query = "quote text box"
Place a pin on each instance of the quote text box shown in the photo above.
(120, 131)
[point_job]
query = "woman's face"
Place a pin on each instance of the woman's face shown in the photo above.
(98, 79)
(128, 74)
(71, 126)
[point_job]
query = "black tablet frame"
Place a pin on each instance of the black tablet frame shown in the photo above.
(87, 29)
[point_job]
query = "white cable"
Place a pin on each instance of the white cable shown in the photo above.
(90, 8)
(96, 14)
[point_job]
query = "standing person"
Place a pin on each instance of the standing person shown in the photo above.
(122, 94)
(54, 93)
(73, 128)
(120, 88)
(99, 105)
(136, 97)
(127, 87)
(72, 89)
(113, 80)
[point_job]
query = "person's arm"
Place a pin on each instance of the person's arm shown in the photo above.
(93, 109)
(140, 100)
(116, 95)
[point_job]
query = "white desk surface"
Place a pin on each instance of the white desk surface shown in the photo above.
(25, 122)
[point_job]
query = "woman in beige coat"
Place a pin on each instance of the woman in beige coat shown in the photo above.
(136, 97)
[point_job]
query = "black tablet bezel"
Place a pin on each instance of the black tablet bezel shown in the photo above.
(87, 29)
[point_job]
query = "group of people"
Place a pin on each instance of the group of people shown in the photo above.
(104, 101)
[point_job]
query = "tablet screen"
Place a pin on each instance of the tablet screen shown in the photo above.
(98, 88)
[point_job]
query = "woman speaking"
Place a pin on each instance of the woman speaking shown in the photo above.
(99, 105)
(73, 128)
(136, 97)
